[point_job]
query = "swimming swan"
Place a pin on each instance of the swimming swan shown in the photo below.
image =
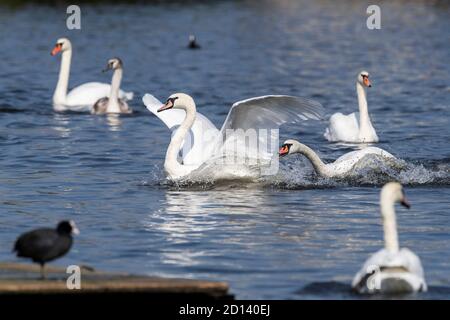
(113, 104)
(339, 168)
(199, 140)
(346, 128)
(391, 270)
(84, 96)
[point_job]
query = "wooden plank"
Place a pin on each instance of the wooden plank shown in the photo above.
(23, 279)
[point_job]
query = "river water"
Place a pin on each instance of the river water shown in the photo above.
(291, 237)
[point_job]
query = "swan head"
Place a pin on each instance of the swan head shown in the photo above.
(178, 101)
(392, 193)
(62, 44)
(363, 79)
(290, 146)
(113, 64)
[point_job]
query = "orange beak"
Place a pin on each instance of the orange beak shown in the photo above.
(56, 49)
(367, 82)
(284, 150)
(168, 105)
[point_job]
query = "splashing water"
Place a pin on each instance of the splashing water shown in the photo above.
(372, 170)
(297, 173)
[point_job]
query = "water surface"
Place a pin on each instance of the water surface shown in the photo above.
(291, 237)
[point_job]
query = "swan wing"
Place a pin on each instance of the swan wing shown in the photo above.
(199, 143)
(359, 154)
(376, 151)
(264, 115)
(86, 95)
(271, 112)
(343, 128)
(346, 162)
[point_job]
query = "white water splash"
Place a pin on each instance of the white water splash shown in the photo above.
(297, 173)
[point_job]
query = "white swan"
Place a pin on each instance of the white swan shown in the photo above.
(113, 104)
(391, 270)
(80, 98)
(346, 128)
(339, 168)
(200, 141)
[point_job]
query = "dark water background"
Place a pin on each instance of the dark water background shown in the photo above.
(295, 237)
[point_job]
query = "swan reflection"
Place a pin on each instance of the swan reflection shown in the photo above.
(114, 122)
(189, 219)
(203, 229)
(62, 125)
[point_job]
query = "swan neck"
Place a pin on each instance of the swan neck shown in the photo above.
(364, 119)
(59, 96)
(315, 160)
(171, 164)
(113, 102)
(389, 225)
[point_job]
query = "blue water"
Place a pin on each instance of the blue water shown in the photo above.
(293, 237)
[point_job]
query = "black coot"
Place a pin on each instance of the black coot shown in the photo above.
(46, 244)
(193, 43)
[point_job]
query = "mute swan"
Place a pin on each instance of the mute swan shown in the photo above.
(391, 270)
(346, 128)
(113, 104)
(203, 141)
(82, 97)
(338, 168)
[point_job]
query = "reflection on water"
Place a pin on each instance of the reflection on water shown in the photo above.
(185, 213)
(62, 125)
(114, 122)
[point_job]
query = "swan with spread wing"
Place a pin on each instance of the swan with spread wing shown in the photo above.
(199, 141)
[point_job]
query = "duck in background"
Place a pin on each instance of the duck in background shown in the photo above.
(46, 244)
(193, 42)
